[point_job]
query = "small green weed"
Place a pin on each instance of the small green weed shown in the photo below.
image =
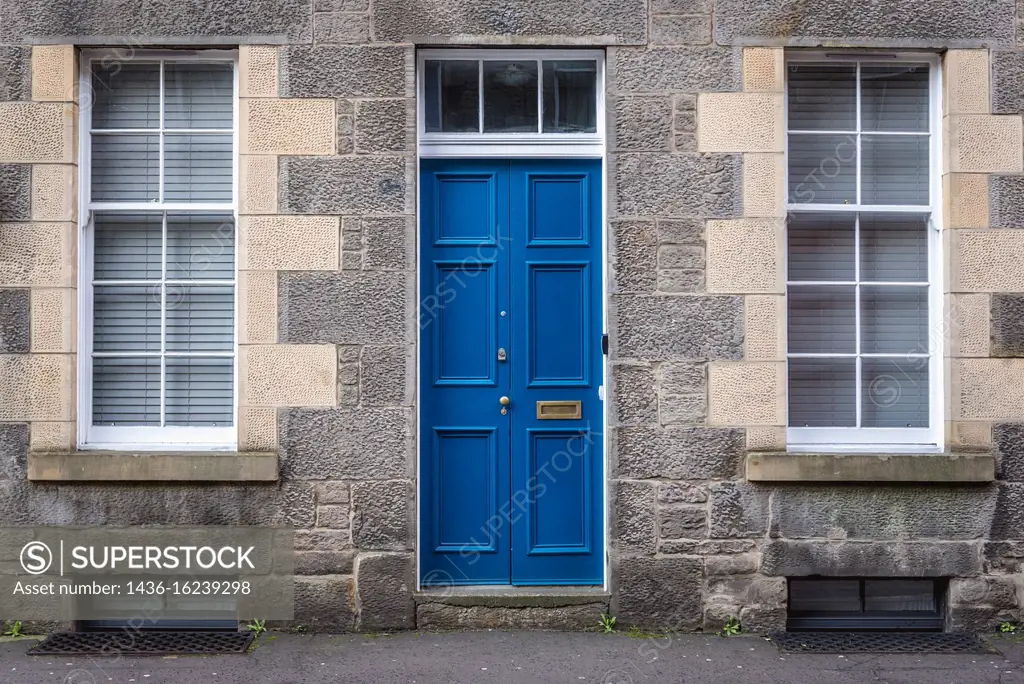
(1005, 628)
(258, 626)
(731, 627)
(13, 629)
(607, 623)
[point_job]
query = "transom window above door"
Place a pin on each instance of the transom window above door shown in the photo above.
(510, 97)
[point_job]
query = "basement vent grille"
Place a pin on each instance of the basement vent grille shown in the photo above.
(878, 642)
(142, 643)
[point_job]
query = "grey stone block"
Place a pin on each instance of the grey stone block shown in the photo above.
(1006, 201)
(1008, 443)
(568, 618)
(680, 280)
(357, 443)
(978, 619)
(325, 603)
(666, 328)
(732, 564)
(13, 450)
(681, 256)
(677, 492)
(385, 125)
(322, 540)
(335, 517)
(680, 231)
(1005, 556)
(1007, 316)
(682, 522)
(874, 512)
(548, 22)
(738, 509)
(388, 376)
(686, 185)
(681, 6)
(384, 585)
(344, 71)
(15, 72)
(681, 378)
(390, 243)
(892, 24)
(786, 558)
(677, 69)
(320, 562)
(682, 409)
(659, 593)
(383, 515)
(635, 401)
(339, 28)
(634, 516)
(344, 185)
(350, 307)
(679, 453)
(762, 619)
(1008, 521)
(15, 190)
(643, 124)
(14, 321)
(680, 30)
(341, 5)
(137, 22)
(1007, 82)
(999, 592)
(634, 257)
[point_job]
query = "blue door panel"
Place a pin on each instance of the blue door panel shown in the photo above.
(510, 261)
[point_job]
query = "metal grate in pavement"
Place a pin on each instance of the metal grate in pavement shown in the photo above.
(142, 643)
(878, 642)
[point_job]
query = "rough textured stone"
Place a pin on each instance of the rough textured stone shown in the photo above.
(874, 512)
(15, 71)
(1007, 325)
(343, 185)
(14, 439)
(1008, 441)
(176, 22)
(1008, 521)
(14, 321)
(1007, 82)
(15, 191)
(634, 257)
(978, 619)
(384, 585)
(343, 71)
(383, 514)
(679, 328)
(676, 492)
(634, 516)
(688, 185)
(321, 444)
(680, 231)
(733, 564)
(320, 562)
(558, 21)
(635, 401)
(441, 616)
(680, 30)
(390, 243)
(895, 23)
(679, 452)
(325, 603)
(332, 28)
(999, 592)
(387, 376)
(682, 522)
(643, 124)
(678, 69)
(659, 593)
(785, 558)
(350, 307)
(384, 125)
(738, 509)
(1006, 201)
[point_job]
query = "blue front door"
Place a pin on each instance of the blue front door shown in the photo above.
(511, 455)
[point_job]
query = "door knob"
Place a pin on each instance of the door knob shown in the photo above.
(504, 401)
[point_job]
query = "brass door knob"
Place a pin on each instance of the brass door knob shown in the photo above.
(504, 401)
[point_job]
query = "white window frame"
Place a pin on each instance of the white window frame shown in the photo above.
(510, 145)
(145, 438)
(890, 440)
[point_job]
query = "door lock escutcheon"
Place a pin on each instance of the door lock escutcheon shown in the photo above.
(502, 355)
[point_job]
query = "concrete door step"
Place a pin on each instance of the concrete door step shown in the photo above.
(504, 607)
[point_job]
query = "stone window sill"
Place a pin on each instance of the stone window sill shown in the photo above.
(947, 467)
(120, 466)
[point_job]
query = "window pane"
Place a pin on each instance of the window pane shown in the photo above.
(570, 96)
(894, 98)
(126, 391)
(822, 169)
(826, 595)
(894, 247)
(200, 247)
(452, 96)
(821, 247)
(822, 97)
(822, 393)
(200, 392)
(510, 97)
(126, 318)
(198, 168)
(125, 168)
(128, 246)
(895, 169)
(125, 95)
(901, 595)
(894, 320)
(822, 319)
(198, 95)
(200, 319)
(894, 392)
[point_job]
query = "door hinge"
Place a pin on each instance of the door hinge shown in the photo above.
(604, 344)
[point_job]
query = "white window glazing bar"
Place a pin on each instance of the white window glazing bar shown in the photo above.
(160, 177)
(163, 317)
(856, 303)
(480, 94)
(540, 96)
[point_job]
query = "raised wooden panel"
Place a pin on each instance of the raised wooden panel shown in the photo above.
(465, 489)
(558, 298)
(559, 518)
(466, 208)
(557, 209)
(463, 322)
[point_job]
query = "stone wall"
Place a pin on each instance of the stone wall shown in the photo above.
(696, 302)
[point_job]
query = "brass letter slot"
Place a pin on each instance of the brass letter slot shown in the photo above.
(559, 410)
